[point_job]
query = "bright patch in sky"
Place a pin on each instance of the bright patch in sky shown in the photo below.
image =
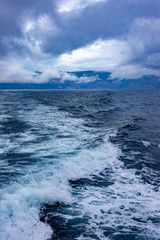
(69, 5)
(110, 56)
(99, 56)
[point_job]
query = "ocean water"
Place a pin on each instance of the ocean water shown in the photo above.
(80, 165)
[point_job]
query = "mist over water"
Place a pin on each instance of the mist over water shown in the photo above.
(79, 165)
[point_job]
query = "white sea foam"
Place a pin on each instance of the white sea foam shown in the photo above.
(47, 181)
(65, 155)
(128, 203)
(146, 143)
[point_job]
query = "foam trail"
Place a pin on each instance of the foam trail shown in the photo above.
(46, 180)
(52, 155)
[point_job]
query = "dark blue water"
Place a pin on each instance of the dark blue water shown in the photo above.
(80, 165)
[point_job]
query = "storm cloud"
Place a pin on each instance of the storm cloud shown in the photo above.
(36, 35)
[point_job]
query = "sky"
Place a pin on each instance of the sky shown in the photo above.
(45, 39)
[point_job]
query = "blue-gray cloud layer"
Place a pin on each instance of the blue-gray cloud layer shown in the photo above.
(135, 21)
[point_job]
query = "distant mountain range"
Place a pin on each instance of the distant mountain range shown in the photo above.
(102, 81)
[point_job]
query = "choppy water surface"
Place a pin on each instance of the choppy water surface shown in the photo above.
(80, 165)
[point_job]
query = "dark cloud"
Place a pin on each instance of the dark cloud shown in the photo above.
(12, 15)
(136, 22)
(111, 19)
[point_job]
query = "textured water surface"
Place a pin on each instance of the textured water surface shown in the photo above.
(80, 165)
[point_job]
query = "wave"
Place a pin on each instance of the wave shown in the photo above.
(45, 180)
(74, 183)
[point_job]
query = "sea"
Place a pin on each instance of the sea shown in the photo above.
(80, 164)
